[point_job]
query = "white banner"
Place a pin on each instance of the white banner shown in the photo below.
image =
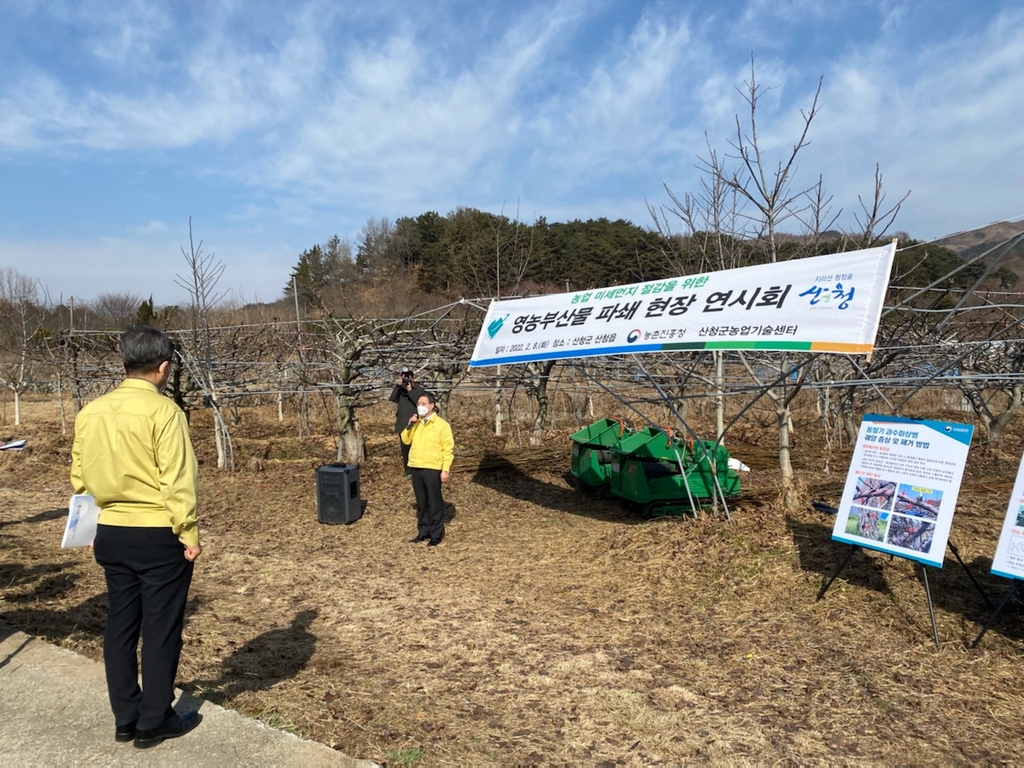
(1009, 557)
(826, 303)
(902, 486)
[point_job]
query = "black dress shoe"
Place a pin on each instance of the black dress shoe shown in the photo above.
(418, 539)
(125, 732)
(178, 725)
(434, 542)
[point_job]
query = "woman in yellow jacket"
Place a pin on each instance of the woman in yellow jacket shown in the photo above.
(431, 450)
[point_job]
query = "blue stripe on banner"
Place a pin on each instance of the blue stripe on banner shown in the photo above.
(544, 354)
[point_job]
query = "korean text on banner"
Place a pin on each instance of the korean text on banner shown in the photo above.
(826, 303)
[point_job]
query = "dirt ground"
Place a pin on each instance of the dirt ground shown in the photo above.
(550, 626)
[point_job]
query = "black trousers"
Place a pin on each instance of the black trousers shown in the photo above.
(147, 586)
(426, 483)
(405, 455)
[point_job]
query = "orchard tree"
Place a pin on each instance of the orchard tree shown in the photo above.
(20, 334)
(117, 310)
(751, 209)
(204, 272)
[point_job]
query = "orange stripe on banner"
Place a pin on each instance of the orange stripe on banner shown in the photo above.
(850, 349)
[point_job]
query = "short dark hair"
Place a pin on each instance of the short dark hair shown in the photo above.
(143, 349)
(430, 397)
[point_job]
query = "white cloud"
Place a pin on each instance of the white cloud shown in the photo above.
(314, 118)
(941, 121)
(629, 115)
(792, 10)
(126, 31)
(86, 269)
(213, 90)
(150, 228)
(396, 122)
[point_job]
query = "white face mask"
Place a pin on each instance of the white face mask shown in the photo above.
(422, 410)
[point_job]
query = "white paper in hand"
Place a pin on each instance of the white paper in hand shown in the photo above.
(82, 516)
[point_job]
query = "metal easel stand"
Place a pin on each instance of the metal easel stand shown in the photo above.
(995, 614)
(927, 589)
(824, 589)
(931, 610)
(970, 575)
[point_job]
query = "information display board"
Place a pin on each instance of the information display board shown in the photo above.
(1009, 557)
(902, 486)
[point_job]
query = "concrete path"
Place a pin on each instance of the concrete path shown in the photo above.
(54, 711)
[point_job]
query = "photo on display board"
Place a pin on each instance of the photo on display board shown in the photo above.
(869, 524)
(919, 502)
(871, 492)
(910, 533)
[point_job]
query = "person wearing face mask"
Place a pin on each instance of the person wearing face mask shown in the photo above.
(431, 450)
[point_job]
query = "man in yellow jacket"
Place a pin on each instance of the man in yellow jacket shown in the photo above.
(132, 452)
(431, 450)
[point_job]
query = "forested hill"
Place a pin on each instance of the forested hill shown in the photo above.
(401, 268)
(979, 241)
(472, 253)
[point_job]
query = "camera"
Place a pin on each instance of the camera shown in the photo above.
(406, 379)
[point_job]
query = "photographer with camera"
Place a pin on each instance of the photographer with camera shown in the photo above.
(405, 395)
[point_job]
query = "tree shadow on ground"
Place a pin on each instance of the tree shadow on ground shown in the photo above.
(6, 630)
(264, 661)
(51, 587)
(498, 473)
(39, 517)
(971, 591)
(967, 590)
(819, 554)
(86, 620)
(13, 575)
(58, 625)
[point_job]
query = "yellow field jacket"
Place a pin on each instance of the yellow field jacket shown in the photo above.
(432, 444)
(132, 452)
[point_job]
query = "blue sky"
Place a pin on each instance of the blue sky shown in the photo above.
(276, 125)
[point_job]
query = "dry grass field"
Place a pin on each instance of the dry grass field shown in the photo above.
(550, 627)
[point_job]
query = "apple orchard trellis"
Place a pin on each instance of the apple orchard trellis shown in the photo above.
(272, 374)
(973, 352)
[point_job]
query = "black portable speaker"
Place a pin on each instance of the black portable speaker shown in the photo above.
(337, 494)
